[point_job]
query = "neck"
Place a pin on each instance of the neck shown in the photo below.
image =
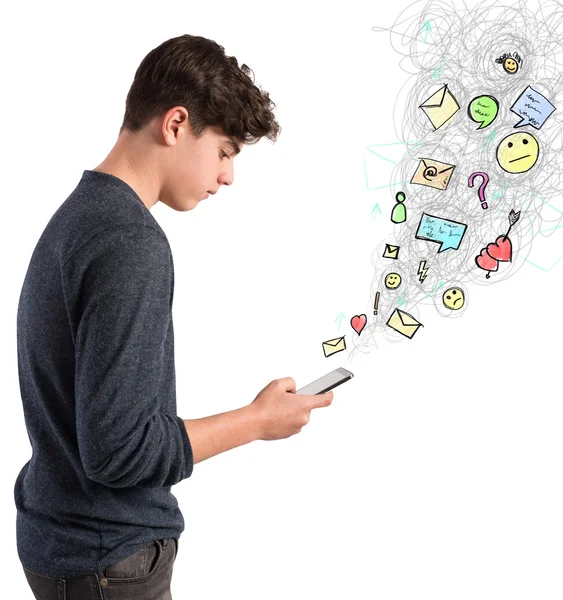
(127, 162)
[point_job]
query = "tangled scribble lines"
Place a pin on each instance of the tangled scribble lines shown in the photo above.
(502, 66)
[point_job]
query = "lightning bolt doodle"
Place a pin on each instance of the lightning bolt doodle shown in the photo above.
(422, 270)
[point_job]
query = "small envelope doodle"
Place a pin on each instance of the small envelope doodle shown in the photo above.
(440, 107)
(391, 251)
(404, 323)
(433, 173)
(333, 346)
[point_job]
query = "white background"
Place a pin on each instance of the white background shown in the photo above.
(436, 472)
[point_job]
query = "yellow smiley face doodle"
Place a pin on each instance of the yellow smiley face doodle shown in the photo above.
(392, 281)
(518, 152)
(510, 66)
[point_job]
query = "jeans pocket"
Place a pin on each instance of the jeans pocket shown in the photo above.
(137, 567)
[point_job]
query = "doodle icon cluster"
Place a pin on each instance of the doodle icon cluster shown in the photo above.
(517, 152)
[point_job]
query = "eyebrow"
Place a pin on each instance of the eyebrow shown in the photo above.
(235, 146)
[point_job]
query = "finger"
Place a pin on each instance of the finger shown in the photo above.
(288, 384)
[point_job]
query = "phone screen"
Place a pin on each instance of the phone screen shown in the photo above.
(327, 382)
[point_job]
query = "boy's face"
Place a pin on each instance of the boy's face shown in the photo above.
(194, 167)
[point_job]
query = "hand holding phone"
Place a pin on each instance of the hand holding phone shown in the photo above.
(327, 382)
(277, 417)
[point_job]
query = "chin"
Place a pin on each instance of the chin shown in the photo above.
(191, 204)
(180, 202)
(182, 206)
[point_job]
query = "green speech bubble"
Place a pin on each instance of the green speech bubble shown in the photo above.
(484, 110)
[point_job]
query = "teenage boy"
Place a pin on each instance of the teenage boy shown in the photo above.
(95, 339)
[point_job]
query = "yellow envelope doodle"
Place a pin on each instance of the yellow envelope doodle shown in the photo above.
(404, 323)
(440, 107)
(391, 251)
(334, 346)
(433, 173)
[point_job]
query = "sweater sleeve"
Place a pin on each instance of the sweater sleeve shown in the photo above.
(123, 318)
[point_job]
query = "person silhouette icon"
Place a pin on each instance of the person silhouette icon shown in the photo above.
(399, 214)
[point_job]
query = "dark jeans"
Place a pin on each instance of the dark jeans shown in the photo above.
(144, 575)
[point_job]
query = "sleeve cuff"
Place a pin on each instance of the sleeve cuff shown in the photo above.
(188, 453)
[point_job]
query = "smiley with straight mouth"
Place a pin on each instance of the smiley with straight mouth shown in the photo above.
(518, 152)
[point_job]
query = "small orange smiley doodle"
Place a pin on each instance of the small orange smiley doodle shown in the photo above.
(510, 62)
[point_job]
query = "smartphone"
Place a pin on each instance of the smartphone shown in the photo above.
(327, 382)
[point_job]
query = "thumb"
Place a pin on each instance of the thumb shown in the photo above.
(319, 400)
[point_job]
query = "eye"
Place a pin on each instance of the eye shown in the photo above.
(524, 141)
(449, 297)
(454, 292)
(224, 155)
(510, 144)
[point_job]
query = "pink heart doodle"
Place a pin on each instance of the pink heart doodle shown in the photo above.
(486, 262)
(501, 249)
(358, 323)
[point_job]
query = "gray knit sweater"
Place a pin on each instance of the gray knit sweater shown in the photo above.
(96, 370)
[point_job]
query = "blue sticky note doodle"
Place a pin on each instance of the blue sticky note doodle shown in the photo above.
(533, 108)
(445, 232)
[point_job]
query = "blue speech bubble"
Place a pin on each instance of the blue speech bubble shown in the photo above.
(445, 232)
(533, 107)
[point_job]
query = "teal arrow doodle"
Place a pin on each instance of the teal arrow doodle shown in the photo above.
(376, 208)
(339, 319)
(426, 28)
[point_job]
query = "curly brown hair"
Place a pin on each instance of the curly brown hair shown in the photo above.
(194, 72)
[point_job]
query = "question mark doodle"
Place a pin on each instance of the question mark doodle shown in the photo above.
(481, 187)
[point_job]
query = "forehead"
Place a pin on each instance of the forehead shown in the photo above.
(221, 137)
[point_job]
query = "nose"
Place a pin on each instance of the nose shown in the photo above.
(227, 175)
